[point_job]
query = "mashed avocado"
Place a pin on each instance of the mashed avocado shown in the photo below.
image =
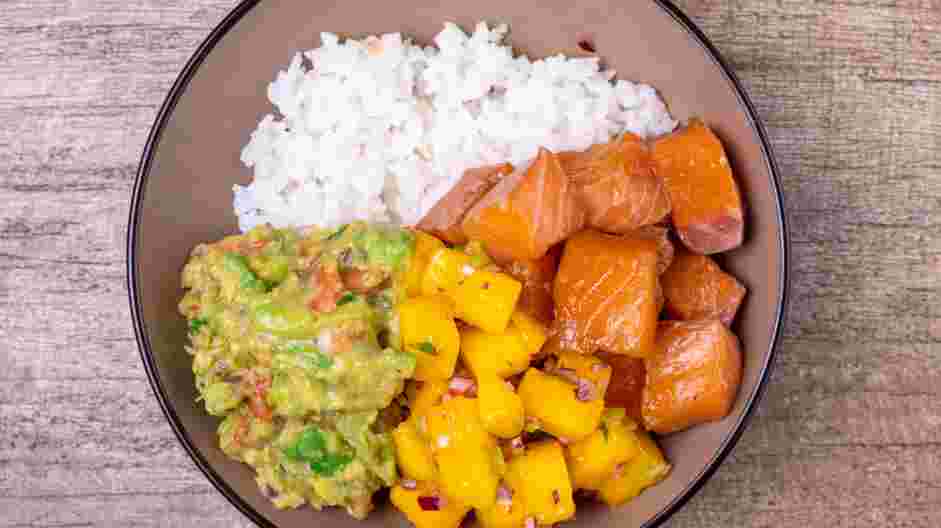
(296, 347)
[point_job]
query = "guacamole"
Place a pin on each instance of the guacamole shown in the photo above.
(295, 345)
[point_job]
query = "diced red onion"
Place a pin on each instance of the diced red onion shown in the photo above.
(430, 503)
(517, 443)
(530, 522)
(564, 441)
(460, 386)
(585, 391)
(408, 484)
(504, 496)
(267, 491)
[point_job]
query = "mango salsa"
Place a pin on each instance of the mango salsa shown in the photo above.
(594, 459)
(429, 331)
(487, 300)
(501, 409)
(647, 468)
(412, 452)
(425, 246)
(466, 455)
(542, 480)
(553, 403)
(449, 515)
(502, 355)
(446, 269)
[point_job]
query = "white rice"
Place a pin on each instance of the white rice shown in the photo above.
(380, 128)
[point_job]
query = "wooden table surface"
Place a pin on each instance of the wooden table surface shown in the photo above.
(849, 433)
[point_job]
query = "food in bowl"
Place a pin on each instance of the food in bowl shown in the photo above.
(498, 351)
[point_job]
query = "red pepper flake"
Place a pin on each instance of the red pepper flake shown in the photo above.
(486, 286)
(586, 45)
(556, 496)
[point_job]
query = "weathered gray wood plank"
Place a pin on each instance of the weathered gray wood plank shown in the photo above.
(848, 434)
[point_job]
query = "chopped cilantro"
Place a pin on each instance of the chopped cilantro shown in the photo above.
(311, 448)
(338, 233)
(427, 348)
(346, 299)
(198, 323)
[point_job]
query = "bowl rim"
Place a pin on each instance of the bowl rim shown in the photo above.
(140, 329)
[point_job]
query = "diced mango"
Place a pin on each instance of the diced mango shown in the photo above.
(606, 294)
(592, 460)
(693, 377)
(553, 403)
(541, 479)
(533, 332)
(588, 368)
(429, 331)
(425, 246)
(423, 396)
(466, 455)
(412, 452)
(707, 205)
(501, 409)
(501, 355)
(647, 468)
(449, 515)
(487, 300)
(446, 269)
(512, 515)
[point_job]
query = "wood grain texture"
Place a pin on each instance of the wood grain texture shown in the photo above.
(849, 433)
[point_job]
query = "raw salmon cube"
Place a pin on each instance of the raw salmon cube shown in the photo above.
(527, 212)
(693, 377)
(696, 288)
(626, 388)
(444, 219)
(537, 277)
(617, 186)
(707, 206)
(606, 294)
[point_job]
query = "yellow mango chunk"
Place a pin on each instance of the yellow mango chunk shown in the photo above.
(450, 514)
(487, 300)
(588, 368)
(594, 459)
(422, 396)
(501, 355)
(501, 409)
(533, 332)
(429, 331)
(512, 515)
(542, 481)
(412, 452)
(446, 269)
(552, 401)
(468, 465)
(425, 246)
(644, 470)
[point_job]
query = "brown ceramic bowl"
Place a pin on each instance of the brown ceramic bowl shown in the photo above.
(183, 197)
